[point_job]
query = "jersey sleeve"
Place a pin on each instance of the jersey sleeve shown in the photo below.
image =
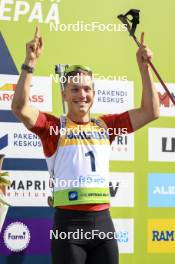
(47, 128)
(117, 124)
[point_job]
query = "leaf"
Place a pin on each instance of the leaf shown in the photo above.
(5, 173)
(3, 202)
(4, 181)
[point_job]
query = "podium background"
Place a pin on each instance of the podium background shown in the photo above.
(108, 53)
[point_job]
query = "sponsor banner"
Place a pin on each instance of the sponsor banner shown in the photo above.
(18, 142)
(28, 188)
(122, 148)
(16, 237)
(26, 11)
(161, 235)
(161, 144)
(161, 190)
(112, 96)
(34, 231)
(40, 96)
(33, 235)
(121, 186)
(125, 234)
(166, 106)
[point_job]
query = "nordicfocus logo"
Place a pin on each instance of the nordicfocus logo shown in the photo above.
(16, 236)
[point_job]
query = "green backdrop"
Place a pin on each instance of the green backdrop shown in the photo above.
(110, 53)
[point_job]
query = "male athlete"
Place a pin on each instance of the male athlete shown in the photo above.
(82, 219)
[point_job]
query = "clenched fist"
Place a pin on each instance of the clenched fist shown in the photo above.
(144, 54)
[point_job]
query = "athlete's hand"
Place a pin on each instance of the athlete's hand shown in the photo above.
(144, 54)
(34, 48)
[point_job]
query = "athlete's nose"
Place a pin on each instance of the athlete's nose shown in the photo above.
(82, 93)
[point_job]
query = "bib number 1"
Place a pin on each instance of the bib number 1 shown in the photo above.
(92, 159)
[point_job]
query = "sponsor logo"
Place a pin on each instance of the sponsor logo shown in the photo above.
(17, 10)
(125, 235)
(40, 96)
(161, 236)
(17, 142)
(3, 141)
(7, 97)
(89, 181)
(28, 188)
(121, 186)
(166, 106)
(161, 144)
(39, 228)
(73, 196)
(161, 192)
(122, 148)
(113, 187)
(168, 144)
(111, 96)
(16, 236)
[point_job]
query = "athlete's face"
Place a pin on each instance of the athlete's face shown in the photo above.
(79, 95)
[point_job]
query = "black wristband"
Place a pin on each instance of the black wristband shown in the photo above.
(27, 68)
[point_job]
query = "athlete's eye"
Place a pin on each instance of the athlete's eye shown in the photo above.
(87, 89)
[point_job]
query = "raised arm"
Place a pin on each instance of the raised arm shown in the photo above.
(20, 104)
(149, 109)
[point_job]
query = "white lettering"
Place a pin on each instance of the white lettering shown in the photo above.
(164, 190)
(53, 14)
(4, 9)
(52, 234)
(53, 26)
(21, 8)
(31, 11)
(36, 13)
